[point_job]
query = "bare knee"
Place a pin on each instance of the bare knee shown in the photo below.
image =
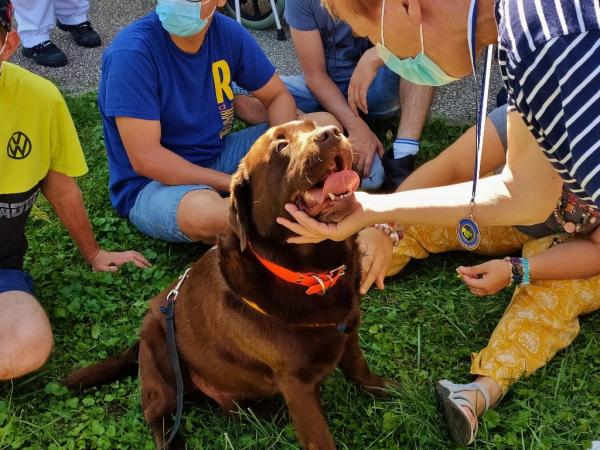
(25, 337)
(202, 215)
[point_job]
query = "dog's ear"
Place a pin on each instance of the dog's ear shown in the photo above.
(240, 215)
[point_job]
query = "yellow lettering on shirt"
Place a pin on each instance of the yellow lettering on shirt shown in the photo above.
(222, 80)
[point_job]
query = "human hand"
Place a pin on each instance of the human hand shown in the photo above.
(311, 231)
(487, 278)
(362, 77)
(105, 261)
(376, 253)
(364, 146)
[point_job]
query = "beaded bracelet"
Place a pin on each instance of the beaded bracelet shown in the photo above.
(394, 232)
(519, 270)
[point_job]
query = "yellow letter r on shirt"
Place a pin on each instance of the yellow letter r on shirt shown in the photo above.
(222, 80)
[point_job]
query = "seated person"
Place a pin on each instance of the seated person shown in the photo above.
(542, 317)
(343, 75)
(42, 152)
(165, 97)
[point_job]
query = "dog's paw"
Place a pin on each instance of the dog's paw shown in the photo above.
(380, 387)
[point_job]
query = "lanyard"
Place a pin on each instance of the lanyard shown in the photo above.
(467, 229)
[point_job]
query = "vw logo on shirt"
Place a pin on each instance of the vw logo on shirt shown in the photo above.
(19, 146)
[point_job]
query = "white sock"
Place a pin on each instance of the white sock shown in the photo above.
(405, 147)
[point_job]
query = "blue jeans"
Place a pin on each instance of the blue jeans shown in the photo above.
(155, 209)
(15, 280)
(383, 97)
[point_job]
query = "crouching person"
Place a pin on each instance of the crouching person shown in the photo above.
(42, 153)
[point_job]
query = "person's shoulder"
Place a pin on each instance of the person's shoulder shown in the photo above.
(30, 85)
(138, 36)
(226, 26)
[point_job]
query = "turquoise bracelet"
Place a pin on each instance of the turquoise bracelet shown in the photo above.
(525, 265)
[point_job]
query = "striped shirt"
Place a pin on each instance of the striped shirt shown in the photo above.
(549, 55)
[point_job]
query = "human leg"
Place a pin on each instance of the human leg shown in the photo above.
(35, 20)
(305, 100)
(72, 16)
(71, 12)
(541, 320)
(421, 240)
(415, 103)
(25, 333)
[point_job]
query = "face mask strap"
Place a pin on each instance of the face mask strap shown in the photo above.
(382, 13)
(422, 41)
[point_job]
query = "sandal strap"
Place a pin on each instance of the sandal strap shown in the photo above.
(474, 386)
(455, 393)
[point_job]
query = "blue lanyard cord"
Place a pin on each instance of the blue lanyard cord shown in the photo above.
(481, 96)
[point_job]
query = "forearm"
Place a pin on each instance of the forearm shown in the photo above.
(416, 100)
(328, 94)
(170, 169)
(64, 195)
(498, 203)
(281, 109)
(583, 255)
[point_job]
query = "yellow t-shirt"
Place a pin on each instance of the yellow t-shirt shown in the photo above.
(37, 135)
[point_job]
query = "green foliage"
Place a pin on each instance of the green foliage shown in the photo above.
(420, 329)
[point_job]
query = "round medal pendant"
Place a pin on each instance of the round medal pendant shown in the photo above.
(468, 234)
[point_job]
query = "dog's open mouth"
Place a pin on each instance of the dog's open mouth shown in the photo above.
(331, 197)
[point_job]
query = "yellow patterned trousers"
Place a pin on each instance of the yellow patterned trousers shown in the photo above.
(542, 318)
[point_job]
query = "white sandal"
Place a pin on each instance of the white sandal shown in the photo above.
(459, 424)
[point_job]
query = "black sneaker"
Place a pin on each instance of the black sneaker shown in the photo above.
(396, 170)
(46, 54)
(83, 34)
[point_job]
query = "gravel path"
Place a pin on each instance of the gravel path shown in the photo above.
(454, 102)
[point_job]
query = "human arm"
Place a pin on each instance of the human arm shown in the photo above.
(65, 197)
(141, 139)
(277, 100)
(453, 165)
(524, 193)
(309, 48)
(583, 255)
(362, 77)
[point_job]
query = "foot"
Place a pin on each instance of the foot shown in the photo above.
(83, 34)
(396, 170)
(463, 404)
(46, 54)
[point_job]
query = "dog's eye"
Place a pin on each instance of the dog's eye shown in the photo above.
(281, 145)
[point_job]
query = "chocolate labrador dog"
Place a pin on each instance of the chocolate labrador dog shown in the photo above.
(256, 316)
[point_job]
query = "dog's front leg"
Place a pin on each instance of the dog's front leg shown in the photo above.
(305, 410)
(355, 368)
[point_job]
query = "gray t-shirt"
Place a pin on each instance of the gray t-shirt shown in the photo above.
(342, 49)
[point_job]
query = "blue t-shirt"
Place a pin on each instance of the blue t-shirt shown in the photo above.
(342, 49)
(146, 76)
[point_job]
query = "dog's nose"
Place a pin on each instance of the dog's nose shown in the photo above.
(327, 133)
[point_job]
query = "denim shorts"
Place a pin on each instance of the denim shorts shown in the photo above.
(383, 97)
(155, 209)
(15, 280)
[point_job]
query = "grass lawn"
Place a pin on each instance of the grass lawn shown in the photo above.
(422, 328)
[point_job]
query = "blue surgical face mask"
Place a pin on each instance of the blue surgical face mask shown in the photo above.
(181, 17)
(419, 70)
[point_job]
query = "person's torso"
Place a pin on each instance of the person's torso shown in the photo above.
(527, 28)
(24, 155)
(194, 94)
(342, 49)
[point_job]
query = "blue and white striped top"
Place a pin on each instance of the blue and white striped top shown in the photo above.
(549, 55)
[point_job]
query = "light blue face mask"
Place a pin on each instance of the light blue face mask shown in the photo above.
(181, 17)
(419, 70)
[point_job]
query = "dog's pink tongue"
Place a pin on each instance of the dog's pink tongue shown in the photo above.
(337, 183)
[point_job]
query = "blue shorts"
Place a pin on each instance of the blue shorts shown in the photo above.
(15, 280)
(383, 97)
(155, 209)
